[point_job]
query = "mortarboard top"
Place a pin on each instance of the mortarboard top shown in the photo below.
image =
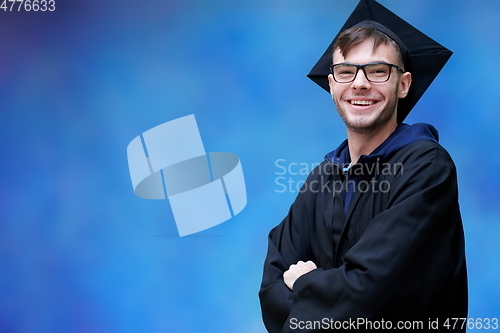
(422, 56)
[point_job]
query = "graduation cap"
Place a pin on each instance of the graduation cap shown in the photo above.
(422, 56)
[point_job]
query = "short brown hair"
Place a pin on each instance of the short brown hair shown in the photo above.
(349, 38)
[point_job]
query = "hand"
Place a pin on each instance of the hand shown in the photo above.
(297, 270)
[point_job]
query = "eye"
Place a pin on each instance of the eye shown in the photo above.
(344, 70)
(377, 70)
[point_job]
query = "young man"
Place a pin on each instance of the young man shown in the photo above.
(374, 240)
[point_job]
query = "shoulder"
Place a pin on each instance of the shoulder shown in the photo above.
(421, 165)
(424, 151)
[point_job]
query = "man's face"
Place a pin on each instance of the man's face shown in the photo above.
(365, 106)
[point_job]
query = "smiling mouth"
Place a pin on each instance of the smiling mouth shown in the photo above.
(361, 102)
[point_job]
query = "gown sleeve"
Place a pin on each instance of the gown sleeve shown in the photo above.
(286, 245)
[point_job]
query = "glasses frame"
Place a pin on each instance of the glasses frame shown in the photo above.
(362, 67)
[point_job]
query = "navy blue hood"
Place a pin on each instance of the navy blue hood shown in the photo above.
(401, 137)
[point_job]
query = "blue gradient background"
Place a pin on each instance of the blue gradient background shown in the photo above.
(79, 252)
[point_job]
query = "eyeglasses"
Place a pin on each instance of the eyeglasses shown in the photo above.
(376, 72)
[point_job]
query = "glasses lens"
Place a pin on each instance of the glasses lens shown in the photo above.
(344, 73)
(378, 72)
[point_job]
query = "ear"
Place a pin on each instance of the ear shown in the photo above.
(404, 84)
(331, 82)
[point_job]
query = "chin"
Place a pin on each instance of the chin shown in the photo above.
(366, 123)
(361, 128)
(359, 121)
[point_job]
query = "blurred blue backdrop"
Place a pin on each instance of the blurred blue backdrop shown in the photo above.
(79, 252)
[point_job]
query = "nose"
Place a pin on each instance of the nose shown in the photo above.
(360, 81)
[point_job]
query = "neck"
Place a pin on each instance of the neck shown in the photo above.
(363, 143)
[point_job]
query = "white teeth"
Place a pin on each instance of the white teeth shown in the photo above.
(362, 102)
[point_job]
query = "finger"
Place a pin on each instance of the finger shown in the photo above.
(311, 264)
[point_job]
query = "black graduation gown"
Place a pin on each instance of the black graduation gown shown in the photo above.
(397, 255)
